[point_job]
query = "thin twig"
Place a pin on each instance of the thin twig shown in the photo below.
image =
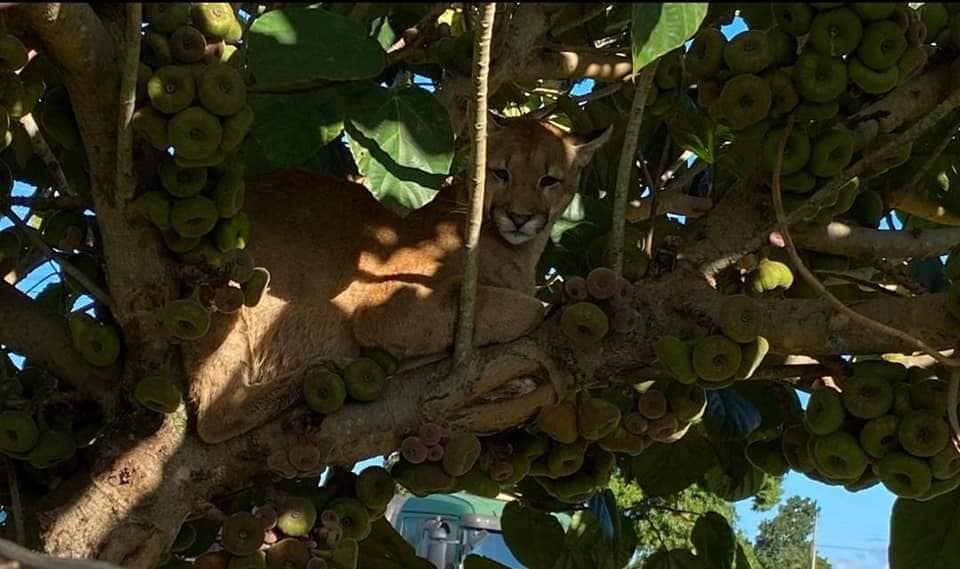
(590, 11)
(669, 202)
(628, 156)
(67, 267)
(125, 182)
(953, 394)
(463, 346)
(546, 111)
(846, 310)
(16, 505)
(43, 203)
(654, 192)
(687, 176)
(292, 87)
(42, 149)
(421, 30)
(929, 162)
(863, 282)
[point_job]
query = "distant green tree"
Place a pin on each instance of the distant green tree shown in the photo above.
(783, 542)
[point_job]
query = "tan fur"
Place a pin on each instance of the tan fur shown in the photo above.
(346, 274)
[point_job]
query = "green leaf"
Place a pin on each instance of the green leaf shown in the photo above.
(384, 544)
(777, 404)
(693, 130)
(660, 27)
(292, 128)
(533, 537)
(345, 555)
(734, 477)
(476, 562)
(298, 45)
(402, 141)
(926, 534)
(383, 32)
(714, 541)
(674, 559)
(743, 560)
(665, 469)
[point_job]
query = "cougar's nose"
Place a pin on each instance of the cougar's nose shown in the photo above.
(519, 219)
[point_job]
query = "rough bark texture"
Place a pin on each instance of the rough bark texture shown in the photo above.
(841, 239)
(145, 483)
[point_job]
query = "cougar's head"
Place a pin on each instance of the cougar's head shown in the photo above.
(533, 171)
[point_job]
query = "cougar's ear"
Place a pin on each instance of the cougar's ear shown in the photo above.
(586, 145)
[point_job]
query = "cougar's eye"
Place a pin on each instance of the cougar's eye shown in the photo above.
(547, 181)
(501, 174)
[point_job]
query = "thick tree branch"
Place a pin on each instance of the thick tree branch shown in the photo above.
(729, 230)
(44, 339)
(908, 201)
(511, 54)
(913, 99)
(839, 238)
(812, 280)
(549, 63)
(926, 102)
(93, 55)
(72, 34)
(26, 559)
(131, 512)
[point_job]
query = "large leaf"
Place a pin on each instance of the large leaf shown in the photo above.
(729, 415)
(533, 537)
(926, 534)
(734, 477)
(345, 555)
(477, 562)
(402, 141)
(292, 128)
(665, 469)
(776, 403)
(661, 27)
(298, 45)
(714, 540)
(744, 560)
(603, 505)
(384, 544)
(693, 130)
(589, 546)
